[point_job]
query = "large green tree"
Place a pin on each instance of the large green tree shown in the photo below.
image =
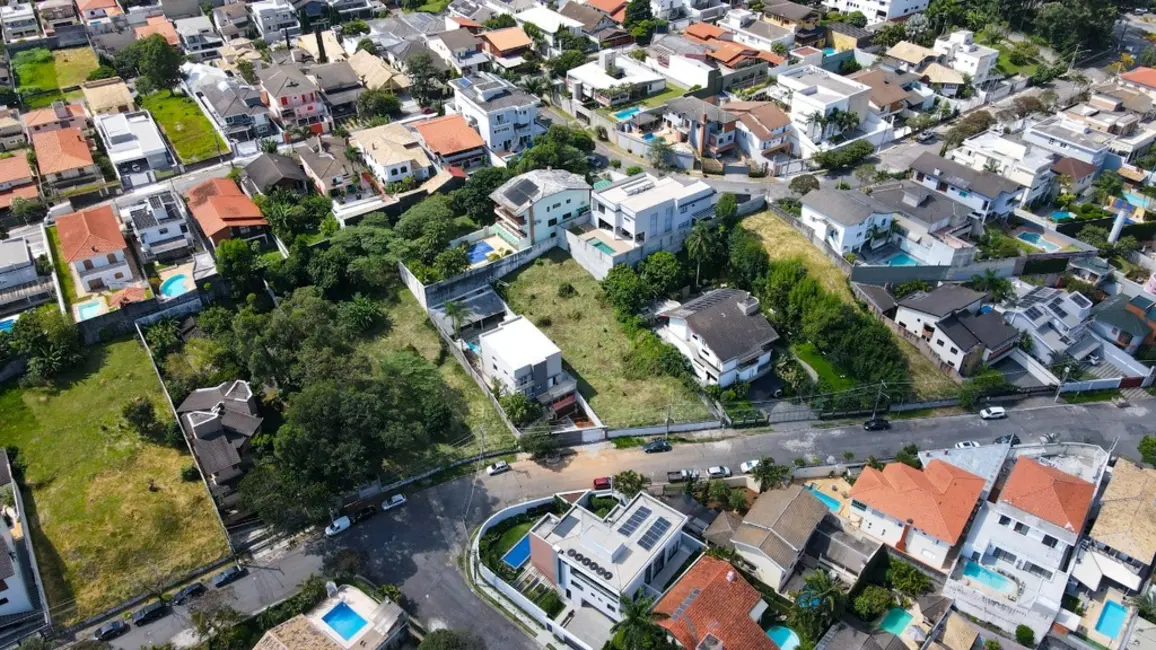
(561, 147)
(473, 198)
(637, 11)
(637, 629)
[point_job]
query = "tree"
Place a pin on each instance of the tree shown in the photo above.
(1123, 64)
(909, 455)
(281, 499)
(727, 208)
(992, 644)
(501, 21)
(140, 414)
(355, 27)
(916, 27)
(905, 289)
(102, 72)
(866, 173)
(158, 63)
(1147, 449)
(660, 153)
(1025, 105)
(367, 45)
(565, 61)
(1000, 289)
(661, 274)
(637, 11)
(236, 264)
(49, 339)
(970, 125)
(214, 618)
(624, 289)
(987, 382)
(636, 629)
(1108, 184)
(1145, 604)
(520, 409)
(747, 258)
(538, 442)
(421, 71)
(890, 34)
(803, 183)
(1025, 636)
(907, 579)
(360, 314)
(855, 19)
(27, 210)
(703, 244)
(872, 602)
(769, 475)
(560, 147)
(817, 604)
(457, 311)
(473, 198)
(451, 640)
(1147, 58)
(378, 103)
(844, 157)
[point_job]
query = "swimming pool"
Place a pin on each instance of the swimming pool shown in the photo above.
(628, 113)
(987, 577)
(604, 247)
(1061, 215)
(7, 324)
(1037, 240)
(479, 251)
(831, 502)
(1111, 619)
(828, 51)
(178, 285)
(902, 259)
(344, 621)
(1136, 199)
(90, 309)
(648, 137)
(518, 554)
(784, 637)
(896, 621)
(474, 347)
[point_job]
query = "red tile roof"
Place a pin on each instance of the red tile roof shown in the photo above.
(218, 204)
(937, 500)
(1072, 168)
(703, 31)
(722, 608)
(14, 168)
(615, 8)
(449, 135)
(89, 233)
(125, 296)
(24, 192)
(1048, 493)
(1142, 76)
(43, 116)
(61, 150)
(158, 25)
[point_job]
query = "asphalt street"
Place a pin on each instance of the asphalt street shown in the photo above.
(419, 546)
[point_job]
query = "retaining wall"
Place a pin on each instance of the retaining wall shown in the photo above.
(664, 429)
(438, 293)
(123, 320)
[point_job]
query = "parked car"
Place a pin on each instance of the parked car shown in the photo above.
(188, 593)
(1011, 439)
(993, 413)
(363, 514)
(595, 162)
(923, 137)
(747, 466)
(395, 501)
(718, 471)
(149, 613)
(656, 446)
(678, 476)
(602, 483)
(339, 525)
(966, 444)
(876, 424)
(498, 468)
(110, 631)
(232, 574)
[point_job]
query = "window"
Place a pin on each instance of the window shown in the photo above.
(1001, 554)
(939, 342)
(88, 266)
(1050, 541)
(1021, 529)
(954, 351)
(1004, 520)
(858, 505)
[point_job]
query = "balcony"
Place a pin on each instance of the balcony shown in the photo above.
(83, 272)
(506, 215)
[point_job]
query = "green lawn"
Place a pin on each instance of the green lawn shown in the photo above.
(1089, 396)
(434, 6)
(807, 353)
(46, 99)
(672, 91)
(595, 347)
(511, 537)
(74, 65)
(62, 272)
(35, 71)
(39, 72)
(186, 127)
(110, 515)
(1005, 64)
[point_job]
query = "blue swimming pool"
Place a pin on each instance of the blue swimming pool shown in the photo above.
(902, 259)
(518, 554)
(603, 246)
(7, 324)
(1137, 199)
(831, 502)
(1111, 619)
(628, 113)
(178, 285)
(784, 637)
(344, 621)
(648, 137)
(896, 621)
(1061, 215)
(474, 347)
(1037, 240)
(90, 309)
(828, 51)
(479, 251)
(987, 577)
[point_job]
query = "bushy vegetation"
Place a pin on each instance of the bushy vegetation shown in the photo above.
(872, 602)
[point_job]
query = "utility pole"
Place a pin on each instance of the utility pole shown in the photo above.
(878, 395)
(1072, 63)
(1067, 369)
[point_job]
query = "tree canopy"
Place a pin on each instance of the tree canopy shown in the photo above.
(561, 147)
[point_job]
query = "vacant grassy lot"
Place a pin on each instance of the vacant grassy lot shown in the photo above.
(409, 326)
(807, 353)
(186, 127)
(74, 65)
(35, 71)
(110, 515)
(45, 100)
(1004, 63)
(595, 347)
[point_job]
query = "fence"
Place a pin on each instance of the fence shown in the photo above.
(123, 320)
(664, 429)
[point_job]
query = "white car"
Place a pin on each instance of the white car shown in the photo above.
(993, 413)
(966, 444)
(748, 466)
(718, 471)
(498, 468)
(339, 525)
(393, 502)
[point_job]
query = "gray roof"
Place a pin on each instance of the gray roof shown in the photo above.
(588, 16)
(918, 202)
(458, 39)
(1114, 312)
(404, 51)
(985, 183)
(952, 328)
(879, 297)
(842, 636)
(14, 252)
(522, 190)
(791, 514)
(690, 507)
(204, 399)
(675, 44)
(718, 318)
(216, 452)
(326, 156)
(833, 543)
(479, 306)
(281, 80)
(491, 92)
(934, 606)
(338, 75)
(722, 529)
(848, 207)
(234, 12)
(968, 330)
(943, 300)
(693, 108)
(788, 10)
(271, 168)
(234, 100)
(766, 30)
(1055, 127)
(849, 30)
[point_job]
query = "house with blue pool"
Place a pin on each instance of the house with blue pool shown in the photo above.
(712, 606)
(348, 618)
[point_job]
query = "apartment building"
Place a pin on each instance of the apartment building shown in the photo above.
(959, 51)
(538, 205)
(724, 334)
(521, 359)
(1012, 158)
(986, 193)
(708, 130)
(746, 28)
(293, 99)
(135, 146)
(503, 114)
(158, 223)
(393, 153)
(460, 50)
(18, 21)
(92, 244)
(275, 20)
(878, 10)
(1069, 139)
(198, 38)
(816, 99)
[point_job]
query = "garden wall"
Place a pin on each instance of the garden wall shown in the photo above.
(123, 320)
(438, 293)
(662, 429)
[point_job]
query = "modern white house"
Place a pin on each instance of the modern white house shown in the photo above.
(1057, 321)
(747, 28)
(135, 147)
(919, 312)
(18, 21)
(1011, 158)
(199, 39)
(274, 20)
(158, 222)
(724, 334)
(847, 221)
(550, 23)
(538, 205)
(878, 11)
(613, 80)
(503, 114)
(776, 530)
(519, 357)
(393, 153)
(923, 513)
(960, 52)
(987, 194)
(815, 98)
(15, 591)
(93, 246)
(460, 50)
(1069, 139)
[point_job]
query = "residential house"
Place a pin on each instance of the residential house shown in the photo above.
(198, 38)
(888, 97)
(817, 102)
(910, 57)
(271, 171)
(1119, 112)
(506, 47)
(219, 423)
(922, 513)
(842, 636)
(375, 73)
(15, 591)
(521, 359)
(927, 226)
(776, 530)
(1121, 543)
(1144, 307)
(18, 21)
(878, 10)
(1068, 139)
(333, 172)
(919, 312)
(275, 20)
(1114, 321)
(1055, 320)
(1011, 158)
(107, 96)
(708, 129)
(843, 37)
(762, 128)
(847, 221)
(393, 153)
(1026, 537)
(746, 28)
(943, 80)
(959, 51)
(612, 80)
(157, 25)
(539, 205)
(92, 244)
(598, 563)
(17, 269)
(550, 23)
(320, 45)
(598, 27)
(460, 50)
(400, 56)
(64, 160)
(1073, 176)
(98, 15)
(1094, 270)
(57, 116)
(386, 625)
(616, 9)
(232, 20)
(158, 224)
(712, 606)
(348, 10)
(724, 334)
(1142, 79)
(238, 111)
(802, 20)
(339, 85)
(223, 212)
(967, 341)
(135, 147)
(55, 14)
(451, 141)
(293, 99)
(16, 181)
(505, 115)
(11, 130)
(715, 63)
(986, 193)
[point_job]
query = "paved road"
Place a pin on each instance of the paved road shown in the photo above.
(419, 546)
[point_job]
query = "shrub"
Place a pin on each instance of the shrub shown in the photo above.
(872, 602)
(190, 473)
(520, 409)
(615, 163)
(634, 170)
(1025, 636)
(907, 579)
(566, 290)
(544, 321)
(1147, 449)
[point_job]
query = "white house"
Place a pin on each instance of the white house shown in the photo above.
(519, 357)
(923, 513)
(878, 11)
(199, 39)
(158, 222)
(762, 131)
(985, 193)
(1056, 320)
(815, 99)
(1069, 139)
(967, 341)
(919, 312)
(135, 146)
(460, 50)
(393, 153)
(847, 220)
(1112, 552)
(15, 592)
(16, 264)
(613, 80)
(724, 334)
(747, 28)
(775, 531)
(92, 244)
(274, 20)
(960, 51)
(538, 205)
(928, 226)
(1013, 159)
(18, 21)
(503, 114)
(550, 23)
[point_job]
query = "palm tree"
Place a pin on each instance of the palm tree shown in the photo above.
(824, 593)
(817, 119)
(769, 474)
(1145, 605)
(457, 312)
(637, 628)
(535, 84)
(701, 244)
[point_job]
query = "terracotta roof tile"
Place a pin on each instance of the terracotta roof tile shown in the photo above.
(937, 500)
(721, 608)
(772, 58)
(449, 135)
(1072, 168)
(88, 233)
(510, 38)
(14, 168)
(704, 31)
(218, 204)
(1048, 493)
(23, 192)
(125, 296)
(611, 7)
(61, 150)
(158, 25)
(1141, 76)
(47, 115)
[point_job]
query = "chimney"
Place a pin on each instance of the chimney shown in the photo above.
(749, 305)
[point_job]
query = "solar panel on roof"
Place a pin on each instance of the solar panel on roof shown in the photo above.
(654, 533)
(521, 191)
(1080, 300)
(634, 522)
(686, 602)
(1033, 313)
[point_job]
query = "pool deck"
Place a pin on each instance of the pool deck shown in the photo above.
(87, 298)
(359, 602)
(619, 245)
(498, 244)
(836, 488)
(915, 621)
(1094, 607)
(185, 269)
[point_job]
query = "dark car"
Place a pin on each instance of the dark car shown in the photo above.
(876, 424)
(595, 162)
(149, 613)
(232, 574)
(362, 515)
(188, 593)
(110, 631)
(1012, 439)
(656, 446)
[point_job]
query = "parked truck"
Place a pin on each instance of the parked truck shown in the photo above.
(679, 476)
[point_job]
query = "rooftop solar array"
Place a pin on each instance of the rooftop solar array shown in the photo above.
(1080, 300)
(654, 533)
(635, 521)
(521, 192)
